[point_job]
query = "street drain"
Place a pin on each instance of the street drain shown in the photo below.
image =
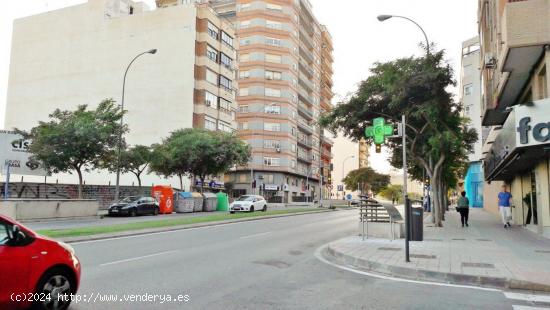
(389, 249)
(478, 265)
(423, 256)
(542, 251)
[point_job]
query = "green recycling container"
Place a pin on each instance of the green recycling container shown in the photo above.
(223, 202)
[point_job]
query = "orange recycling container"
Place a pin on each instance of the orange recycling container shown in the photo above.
(164, 194)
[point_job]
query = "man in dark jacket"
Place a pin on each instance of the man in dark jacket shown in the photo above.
(463, 207)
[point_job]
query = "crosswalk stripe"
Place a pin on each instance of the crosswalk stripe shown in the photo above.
(528, 297)
(516, 307)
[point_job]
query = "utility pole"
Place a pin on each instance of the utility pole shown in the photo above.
(405, 195)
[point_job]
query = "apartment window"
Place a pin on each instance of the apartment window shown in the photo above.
(272, 144)
(293, 131)
(243, 126)
(293, 148)
(293, 163)
(273, 75)
(211, 53)
(225, 104)
(223, 126)
(272, 161)
(226, 83)
(210, 99)
(468, 89)
(211, 76)
(245, 6)
(245, 41)
(243, 109)
(269, 178)
(271, 92)
(274, 7)
(226, 61)
(274, 25)
(244, 74)
(245, 24)
(209, 123)
(272, 126)
(243, 92)
(273, 41)
(243, 177)
(272, 109)
(244, 57)
(274, 58)
(213, 30)
(227, 39)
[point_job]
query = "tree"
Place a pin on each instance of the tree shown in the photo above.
(79, 140)
(365, 179)
(198, 153)
(437, 136)
(133, 160)
(392, 192)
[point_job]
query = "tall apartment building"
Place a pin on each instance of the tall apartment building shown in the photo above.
(285, 81)
(470, 97)
(363, 154)
(515, 50)
(77, 55)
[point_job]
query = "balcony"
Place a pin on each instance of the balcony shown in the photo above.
(305, 142)
(306, 69)
(305, 111)
(524, 28)
(304, 157)
(307, 55)
(302, 124)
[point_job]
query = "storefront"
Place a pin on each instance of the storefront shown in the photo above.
(520, 156)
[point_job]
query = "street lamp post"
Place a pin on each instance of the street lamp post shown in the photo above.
(386, 17)
(117, 187)
(343, 172)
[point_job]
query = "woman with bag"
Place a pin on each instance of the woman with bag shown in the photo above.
(463, 207)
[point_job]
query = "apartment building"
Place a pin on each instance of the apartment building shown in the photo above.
(285, 80)
(363, 154)
(515, 51)
(470, 97)
(78, 55)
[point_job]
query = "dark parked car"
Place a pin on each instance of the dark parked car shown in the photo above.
(133, 206)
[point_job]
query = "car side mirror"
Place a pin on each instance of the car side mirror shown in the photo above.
(17, 235)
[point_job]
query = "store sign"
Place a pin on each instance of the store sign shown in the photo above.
(533, 123)
(271, 187)
(14, 153)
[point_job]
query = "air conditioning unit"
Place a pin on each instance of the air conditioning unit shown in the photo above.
(269, 78)
(278, 150)
(490, 61)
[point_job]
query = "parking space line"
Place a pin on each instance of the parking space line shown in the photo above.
(256, 235)
(136, 258)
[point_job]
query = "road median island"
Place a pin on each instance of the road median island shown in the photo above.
(128, 229)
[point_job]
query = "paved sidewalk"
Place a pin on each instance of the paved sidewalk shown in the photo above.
(483, 254)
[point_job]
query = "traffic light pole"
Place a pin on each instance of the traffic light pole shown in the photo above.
(405, 195)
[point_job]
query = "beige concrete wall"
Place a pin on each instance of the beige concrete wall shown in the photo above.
(32, 209)
(490, 194)
(543, 196)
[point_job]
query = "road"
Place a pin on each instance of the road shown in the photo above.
(265, 264)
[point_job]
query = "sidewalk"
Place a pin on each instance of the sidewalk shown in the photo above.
(484, 254)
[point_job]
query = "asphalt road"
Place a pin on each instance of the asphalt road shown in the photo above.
(265, 264)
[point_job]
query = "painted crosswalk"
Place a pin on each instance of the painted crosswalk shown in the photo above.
(529, 301)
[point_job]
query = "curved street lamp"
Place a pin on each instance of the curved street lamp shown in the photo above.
(386, 17)
(117, 187)
(343, 172)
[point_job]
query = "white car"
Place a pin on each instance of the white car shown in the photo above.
(248, 203)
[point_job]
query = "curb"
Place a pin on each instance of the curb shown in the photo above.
(179, 227)
(433, 276)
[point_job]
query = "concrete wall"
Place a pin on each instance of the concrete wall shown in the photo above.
(490, 194)
(78, 55)
(27, 209)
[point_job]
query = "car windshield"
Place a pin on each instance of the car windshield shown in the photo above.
(129, 199)
(246, 198)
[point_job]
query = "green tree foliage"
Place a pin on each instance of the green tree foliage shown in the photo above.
(198, 153)
(392, 192)
(437, 138)
(76, 141)
(365, 179)
(133, 160)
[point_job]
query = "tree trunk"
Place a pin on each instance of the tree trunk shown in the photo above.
(181, 181)
(202, 183)
(79, 182)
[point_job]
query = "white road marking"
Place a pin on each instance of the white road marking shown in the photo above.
(136, 258)
(256, 235)
(516, 307)
(320, 257)
(528, 297)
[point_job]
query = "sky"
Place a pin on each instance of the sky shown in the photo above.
(360, 40)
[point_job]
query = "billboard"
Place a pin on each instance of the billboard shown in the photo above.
(13, 152)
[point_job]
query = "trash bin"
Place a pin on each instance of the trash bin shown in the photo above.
(184, 202)
(417, 224)
(223, 202)
(197, 201)
(164, 194)
(210, 202)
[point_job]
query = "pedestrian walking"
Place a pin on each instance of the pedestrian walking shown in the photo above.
(463, 207)
(504, 198)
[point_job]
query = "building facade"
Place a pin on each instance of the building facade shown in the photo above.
(363, 154)
(470, 97)
(515, 50)
(83, 55)
(285, 81)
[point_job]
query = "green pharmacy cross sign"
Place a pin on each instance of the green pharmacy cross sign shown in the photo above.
(379, 131)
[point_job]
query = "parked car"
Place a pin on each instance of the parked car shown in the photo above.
(135, 205)
(248, 203)
(34, 270)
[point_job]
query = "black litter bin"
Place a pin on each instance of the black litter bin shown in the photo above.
(417, 224)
